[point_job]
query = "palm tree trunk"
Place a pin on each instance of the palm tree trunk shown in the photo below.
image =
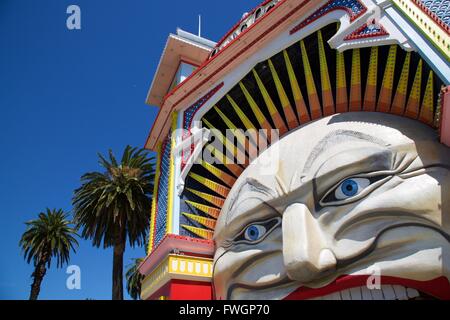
(38, 276)
(119, 249)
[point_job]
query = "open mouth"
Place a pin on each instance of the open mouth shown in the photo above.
(391, 288)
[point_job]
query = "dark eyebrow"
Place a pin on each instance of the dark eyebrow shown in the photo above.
(336, 137)
(255, 186)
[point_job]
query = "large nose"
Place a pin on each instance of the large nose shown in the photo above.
(305, 252)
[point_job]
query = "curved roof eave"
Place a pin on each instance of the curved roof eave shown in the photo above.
(212, 70)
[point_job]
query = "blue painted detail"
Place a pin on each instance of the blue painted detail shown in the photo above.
(349, 187)
(354, 8)
(163, 192)
(441, 8)
(252, 233)
(370, 29)
(192, 110)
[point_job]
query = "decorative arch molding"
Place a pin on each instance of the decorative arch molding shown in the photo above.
(353, 8)
(291, 89)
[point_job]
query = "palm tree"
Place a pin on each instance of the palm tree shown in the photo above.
(134, 279)
(114, 205)
(49, 236)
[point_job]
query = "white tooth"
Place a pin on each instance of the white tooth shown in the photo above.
(388, 292)
(346, 295)
(377, 294)
(355, 293)
(366, 293)
(400, 292)
(333, 296)
(412, 293)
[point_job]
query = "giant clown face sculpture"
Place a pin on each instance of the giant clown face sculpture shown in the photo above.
(353, 193)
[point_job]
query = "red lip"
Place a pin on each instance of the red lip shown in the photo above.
(438, 288)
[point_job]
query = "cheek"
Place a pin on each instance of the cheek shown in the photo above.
(421, 195)
(261, 262)
(353, 228)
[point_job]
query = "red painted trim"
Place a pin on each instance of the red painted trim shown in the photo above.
(445, 116)
(215, 57)
(356, 34)
(234, 28)
(263, 35)
(187, 245)
(438, 288)
(227, 62)
(303, 24)
(433, 16)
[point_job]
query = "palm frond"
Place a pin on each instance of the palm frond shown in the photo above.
(120, 195)
(49, 236)
(134, 279)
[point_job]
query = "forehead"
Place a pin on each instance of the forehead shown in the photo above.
(303, 150)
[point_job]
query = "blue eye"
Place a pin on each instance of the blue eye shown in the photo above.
(254, 232)
(257, 231)
(351, 187)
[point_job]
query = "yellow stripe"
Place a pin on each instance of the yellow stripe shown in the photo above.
(324, 75)
(241, 138)
(398, 104)
(214, 186)
(225, 119)
(209, 223)
(414, 96)
(217, 201)
(373, 67)
(403, 82)
(223, 176)
(211, 211)
(355, 82)
(279, 86)
(255, 108)
(203, 233)
(370, 95)
(171, 176)
(340, 70)
(310, 85)
(292, 77)
(267, 99)
(222, 158)
(245, 120)
(302, 112)
(341, 84)
(415, 91)
(314, 103)
(232, 149)
(356, 68)
(426, 112)
(388, 78)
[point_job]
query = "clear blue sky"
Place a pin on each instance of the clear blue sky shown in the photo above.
(66, 95)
